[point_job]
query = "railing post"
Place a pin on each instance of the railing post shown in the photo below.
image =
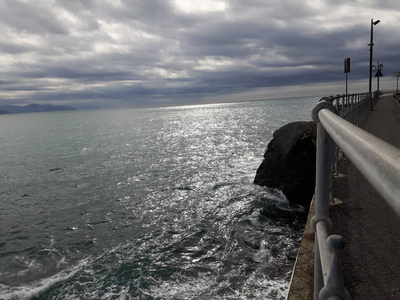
(335, 283)
(324, 162)
(371, 99)
(318, 278)
(337, 105)
(323, 188)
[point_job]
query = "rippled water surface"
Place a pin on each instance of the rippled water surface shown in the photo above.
(149, 203)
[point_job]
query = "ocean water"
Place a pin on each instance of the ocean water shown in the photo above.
(146, 203)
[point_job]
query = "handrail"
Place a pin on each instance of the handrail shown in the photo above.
(377, 160)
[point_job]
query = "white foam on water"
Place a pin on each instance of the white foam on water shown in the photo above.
(189, 288)
(208, 286)
(26, 292)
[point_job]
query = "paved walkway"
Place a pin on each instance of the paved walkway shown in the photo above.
(371, 258)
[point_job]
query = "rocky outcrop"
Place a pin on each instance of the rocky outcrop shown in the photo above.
(289, 162)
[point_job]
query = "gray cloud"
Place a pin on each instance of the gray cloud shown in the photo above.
(33, 17)
(124, 53)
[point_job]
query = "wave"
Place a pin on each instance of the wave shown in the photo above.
(35, 289)
(232, 252)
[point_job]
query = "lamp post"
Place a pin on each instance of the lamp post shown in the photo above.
(397, 74)
(371, 44)
(378, 74)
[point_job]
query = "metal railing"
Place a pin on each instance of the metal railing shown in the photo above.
(353, 108)
(375, 159)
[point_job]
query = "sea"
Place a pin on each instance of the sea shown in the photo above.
(146, 203)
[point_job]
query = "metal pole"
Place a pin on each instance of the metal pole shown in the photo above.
(318, 277)
(371, 44)
(322, 193)
(323, 173)
(370, 58)
(378, 78)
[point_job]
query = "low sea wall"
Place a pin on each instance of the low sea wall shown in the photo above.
(302, 282)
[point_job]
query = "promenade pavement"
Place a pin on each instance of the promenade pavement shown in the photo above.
(371, 259)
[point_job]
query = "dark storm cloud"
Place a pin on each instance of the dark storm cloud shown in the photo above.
(116, 53)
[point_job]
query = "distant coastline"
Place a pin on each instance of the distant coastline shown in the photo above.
(15, 109)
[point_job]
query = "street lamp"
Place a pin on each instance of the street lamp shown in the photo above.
(371, 44)
(378, 74)
(397, 74)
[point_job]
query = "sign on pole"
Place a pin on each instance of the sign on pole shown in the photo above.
(346, 69)
(347, 65)
(379, 73)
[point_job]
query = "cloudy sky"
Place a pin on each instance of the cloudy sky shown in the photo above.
(122, 53)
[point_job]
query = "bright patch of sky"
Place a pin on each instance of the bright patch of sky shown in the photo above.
(200, 6)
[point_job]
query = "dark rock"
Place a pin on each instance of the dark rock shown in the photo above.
(289, 162)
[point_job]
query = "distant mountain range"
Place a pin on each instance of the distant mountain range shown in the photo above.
(15, 109)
